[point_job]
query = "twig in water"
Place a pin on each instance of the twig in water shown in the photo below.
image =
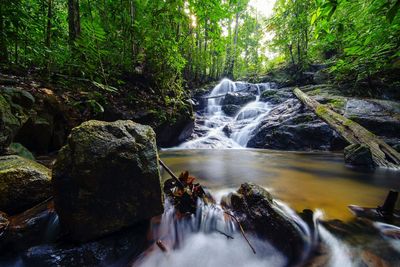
(225, 234)
(162, 246)
(241, 230)
(231, 215)
(171, 173)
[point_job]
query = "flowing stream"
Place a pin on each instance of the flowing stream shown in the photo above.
(298, 180)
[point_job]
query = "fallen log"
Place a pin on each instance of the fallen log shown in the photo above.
(383, 155)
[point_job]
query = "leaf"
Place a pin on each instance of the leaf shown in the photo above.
(313, 18)
(107, 88)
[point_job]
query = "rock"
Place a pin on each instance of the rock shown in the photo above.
(259, 214)
(321, 77)
(15, 108)
(106, 178)
(230, 110)
(276, 96)
(115, 250)
(177, 128)
(239, 99)
(380, 117)
(20, 150)
(23, 183)
(397, 147)
(47, 129)
(289, 126)
(30, 228)
(4, 222)
(358, 155)
(364, 236)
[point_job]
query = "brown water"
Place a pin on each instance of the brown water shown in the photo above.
(303, 180)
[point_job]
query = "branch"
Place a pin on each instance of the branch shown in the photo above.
(241, 230)
(180, 184)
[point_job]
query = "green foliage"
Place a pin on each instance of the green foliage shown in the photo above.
(169, 42)
(358, 39)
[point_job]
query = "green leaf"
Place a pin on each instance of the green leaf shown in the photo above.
(313, 18)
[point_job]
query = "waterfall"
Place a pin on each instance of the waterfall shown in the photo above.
(242, 124)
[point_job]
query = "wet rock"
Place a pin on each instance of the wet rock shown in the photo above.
(238, 99)
(15, 108)
(366, 241)
(106, 178)
(4, 222)
(358, 155)
(227, 130)
(30, 228)
(259, 214)
(276, 96)
(379, 116)
(230, 110)
(289, 126)
(115, 250)
(23, 183)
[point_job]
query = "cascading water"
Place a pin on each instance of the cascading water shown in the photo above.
(216, 122)
(208, 238)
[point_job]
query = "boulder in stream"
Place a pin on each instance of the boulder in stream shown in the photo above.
(259, 214)
(238, 98)
(358, 155)
(289, 126)
(23, 183)
(106, 178)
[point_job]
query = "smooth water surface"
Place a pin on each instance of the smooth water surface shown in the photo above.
(303, 180)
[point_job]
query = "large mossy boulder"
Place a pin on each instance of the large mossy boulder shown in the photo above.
(106, 178)
(15, 108)
(259, 214)
(23, 184)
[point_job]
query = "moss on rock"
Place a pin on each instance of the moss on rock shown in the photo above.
(23, 183)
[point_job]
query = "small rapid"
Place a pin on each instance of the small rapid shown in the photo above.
(210, 238)
(219, 130)
(207, 238)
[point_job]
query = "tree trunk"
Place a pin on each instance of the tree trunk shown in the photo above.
(48, 28)
(74, 21)
(228, 49)
(382, 154)
(233, 58)
(291, 53)
(48, 32)
(131, 30)
(3, 43)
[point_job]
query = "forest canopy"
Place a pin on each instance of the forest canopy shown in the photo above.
(178, 41)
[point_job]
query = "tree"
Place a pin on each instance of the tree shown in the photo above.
(3, 44)
(74, 21)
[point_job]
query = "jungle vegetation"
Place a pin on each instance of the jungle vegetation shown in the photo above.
(175, 42)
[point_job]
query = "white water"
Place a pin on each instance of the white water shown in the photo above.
(242, 124)
(200, 241)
